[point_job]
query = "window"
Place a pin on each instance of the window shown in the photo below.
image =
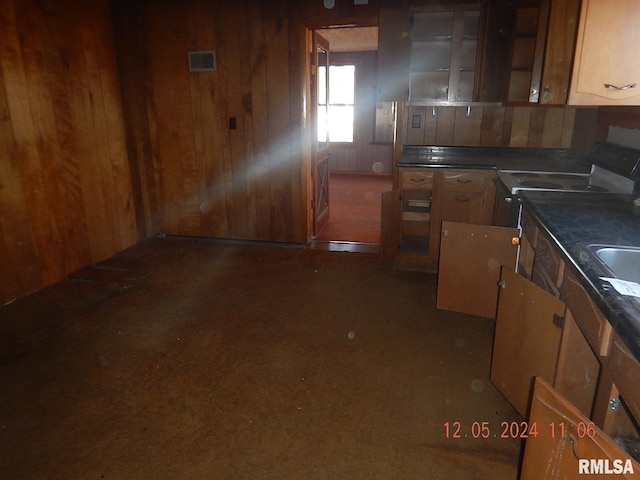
(336, 118)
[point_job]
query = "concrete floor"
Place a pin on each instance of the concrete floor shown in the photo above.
(191, 359)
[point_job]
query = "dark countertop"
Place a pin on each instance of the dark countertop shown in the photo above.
(501, 158)
(575, 220)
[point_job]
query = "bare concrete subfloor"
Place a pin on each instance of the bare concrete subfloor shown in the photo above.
(192, 359)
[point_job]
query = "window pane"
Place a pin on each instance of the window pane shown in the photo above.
(322, 123)
(340, 123)
(342, 84)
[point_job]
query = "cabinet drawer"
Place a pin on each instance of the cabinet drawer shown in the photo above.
(625, 371)
(463, 181)
(416, 178)
(592, 322)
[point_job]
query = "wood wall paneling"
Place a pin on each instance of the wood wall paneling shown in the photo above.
(364, 155)
(65, 186)
(549, 127)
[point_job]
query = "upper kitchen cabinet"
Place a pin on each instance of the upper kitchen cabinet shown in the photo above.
(444, 52)
(394, 51)
(528, 49)
(606, 70)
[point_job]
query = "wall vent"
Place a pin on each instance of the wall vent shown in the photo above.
(202, 61)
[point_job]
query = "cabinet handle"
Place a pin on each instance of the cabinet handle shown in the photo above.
(462, 180)
(626, 87)
(417, 180)
(462, 199)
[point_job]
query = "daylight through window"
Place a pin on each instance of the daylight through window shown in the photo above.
(337, 116)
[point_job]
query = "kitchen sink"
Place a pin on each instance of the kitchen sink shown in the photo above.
(623, 262)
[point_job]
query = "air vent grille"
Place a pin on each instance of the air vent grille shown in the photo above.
(202, 61)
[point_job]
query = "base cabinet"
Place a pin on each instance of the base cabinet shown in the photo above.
(413, 213)
(567, 444)
(551, 334)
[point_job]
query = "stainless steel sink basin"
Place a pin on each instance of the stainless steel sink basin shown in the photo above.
(623, 262)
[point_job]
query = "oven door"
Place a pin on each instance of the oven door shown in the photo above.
(506, 210)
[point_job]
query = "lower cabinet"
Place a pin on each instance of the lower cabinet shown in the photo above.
(412, 214)
(563, 443)
(548, 333)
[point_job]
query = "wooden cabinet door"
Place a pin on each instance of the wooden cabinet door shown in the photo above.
(578, 370)
(463, 207)
(565, 440)
(527, 338)
(390, 231)
(444, 44)
(469, 267)
(466, 196)
(606, 70)
(394, 51)
(556, 72)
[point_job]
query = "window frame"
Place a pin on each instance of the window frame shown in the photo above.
(342, 63)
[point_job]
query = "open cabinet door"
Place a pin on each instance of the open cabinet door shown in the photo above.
(567, 445)
(469, 268)
(390, 220)
(527, 338)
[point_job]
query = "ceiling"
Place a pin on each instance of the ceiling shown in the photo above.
(351, 39)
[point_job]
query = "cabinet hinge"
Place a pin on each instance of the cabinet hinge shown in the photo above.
(558, 321)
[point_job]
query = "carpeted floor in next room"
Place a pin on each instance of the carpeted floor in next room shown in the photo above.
(354, 207)
(194, 359)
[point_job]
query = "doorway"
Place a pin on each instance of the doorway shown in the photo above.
(359, 165)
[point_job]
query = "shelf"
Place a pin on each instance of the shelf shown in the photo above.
(415, 244)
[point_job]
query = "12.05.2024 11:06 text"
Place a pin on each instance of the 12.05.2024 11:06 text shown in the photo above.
(515, 430)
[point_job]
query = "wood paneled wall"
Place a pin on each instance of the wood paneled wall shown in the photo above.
(492, 126)
(65, 186)
(364, 155)
(197, 175)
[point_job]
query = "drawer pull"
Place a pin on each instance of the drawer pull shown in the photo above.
(417, 180)
(461, 180)
(626, 87)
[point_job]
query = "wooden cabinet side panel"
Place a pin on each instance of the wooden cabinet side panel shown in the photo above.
(527, 339)
(550, 455)
(469, 270)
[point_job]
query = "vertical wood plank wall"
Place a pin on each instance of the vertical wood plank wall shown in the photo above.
(198, 176)
(107, 139)
(547, 127)
(364, 155)
(65, 187)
